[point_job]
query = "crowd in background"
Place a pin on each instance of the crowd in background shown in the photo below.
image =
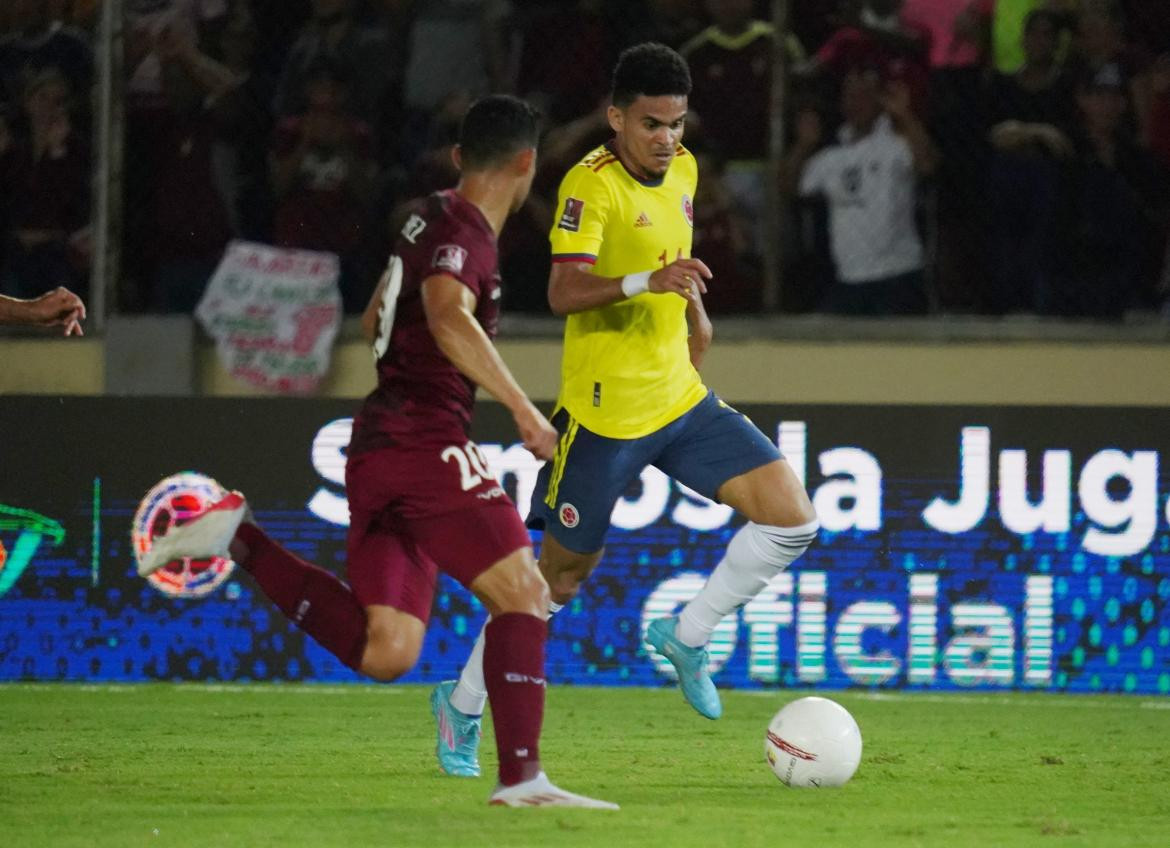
(986, 156)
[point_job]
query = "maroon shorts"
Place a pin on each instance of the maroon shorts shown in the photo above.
(415, 513)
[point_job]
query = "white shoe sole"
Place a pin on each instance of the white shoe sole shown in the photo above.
(207, 535)
(540, 792)
(553, 800)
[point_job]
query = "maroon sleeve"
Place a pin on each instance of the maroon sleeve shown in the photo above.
(457, 252)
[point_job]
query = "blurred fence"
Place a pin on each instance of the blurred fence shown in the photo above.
(925, 156)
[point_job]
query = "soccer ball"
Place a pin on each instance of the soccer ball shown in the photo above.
(813, 742)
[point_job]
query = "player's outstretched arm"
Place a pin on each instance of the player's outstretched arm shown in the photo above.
(58, 308)
(370, 315)
(573, 287)
(450, 309)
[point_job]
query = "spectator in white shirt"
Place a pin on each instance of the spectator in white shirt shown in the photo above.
(869, 181)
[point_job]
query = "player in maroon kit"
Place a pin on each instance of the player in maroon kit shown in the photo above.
(421, 496)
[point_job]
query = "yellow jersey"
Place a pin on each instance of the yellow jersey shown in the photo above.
(626, 369)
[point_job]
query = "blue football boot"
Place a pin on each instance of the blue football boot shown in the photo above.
(691, 665)
(458, 745)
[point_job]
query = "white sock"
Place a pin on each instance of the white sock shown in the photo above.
(755, 555)
(470, 694)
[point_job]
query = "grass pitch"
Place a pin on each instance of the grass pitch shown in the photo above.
(190, 765)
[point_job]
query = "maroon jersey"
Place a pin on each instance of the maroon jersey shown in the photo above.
(732, 84)
(422, 399)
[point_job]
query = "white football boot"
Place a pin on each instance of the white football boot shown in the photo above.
(540, 792)
(206, 535)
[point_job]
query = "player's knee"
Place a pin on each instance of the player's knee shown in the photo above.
(385, 669)
(531, 593)
(564, 587)
(797, 515)
(791, 511)
(519, 587)
(388, 655)
(775, 546)
(806, 513)
(566, 571)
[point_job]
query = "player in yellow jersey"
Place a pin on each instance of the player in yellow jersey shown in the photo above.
(630, 392)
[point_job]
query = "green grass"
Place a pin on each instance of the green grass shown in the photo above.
(189, 765)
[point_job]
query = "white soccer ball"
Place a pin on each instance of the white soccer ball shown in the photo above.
(813, 742)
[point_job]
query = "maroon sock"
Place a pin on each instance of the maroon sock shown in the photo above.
(312, 598)
(513, 668)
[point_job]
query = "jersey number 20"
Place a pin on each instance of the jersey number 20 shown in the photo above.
(473, 466)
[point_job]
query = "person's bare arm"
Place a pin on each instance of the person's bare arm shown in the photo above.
(58, 308)
(450, 311)
(373, 310)
(179, 45)
(809, 131)
(564, 143)
(573, 287)
(1013, 135)
(922, 148)
(701, 330)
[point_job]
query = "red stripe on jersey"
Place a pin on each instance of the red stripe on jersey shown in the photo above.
(608, 161)
(587, 258)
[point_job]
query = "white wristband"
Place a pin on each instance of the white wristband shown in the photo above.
(635, 284)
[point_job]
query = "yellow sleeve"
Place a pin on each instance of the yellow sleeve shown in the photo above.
(692, 172)
(583, 207)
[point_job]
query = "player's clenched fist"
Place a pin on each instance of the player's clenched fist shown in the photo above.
(683, 277)
(538, 435)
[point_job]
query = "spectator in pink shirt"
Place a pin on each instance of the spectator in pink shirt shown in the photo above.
(954, 41)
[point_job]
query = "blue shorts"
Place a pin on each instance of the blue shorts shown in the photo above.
(703, 449)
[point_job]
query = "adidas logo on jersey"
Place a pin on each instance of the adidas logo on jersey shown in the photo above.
(643, 221)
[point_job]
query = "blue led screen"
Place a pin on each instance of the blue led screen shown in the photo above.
(978, 547)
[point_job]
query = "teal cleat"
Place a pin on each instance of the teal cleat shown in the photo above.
(458, 745)
(691, 665)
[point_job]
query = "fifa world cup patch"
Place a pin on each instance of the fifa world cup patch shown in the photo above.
(450, 257)
(569, 515)
(571, 217)
(688, 209)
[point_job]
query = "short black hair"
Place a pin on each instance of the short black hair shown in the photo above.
(495, 129)
(649, 70)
